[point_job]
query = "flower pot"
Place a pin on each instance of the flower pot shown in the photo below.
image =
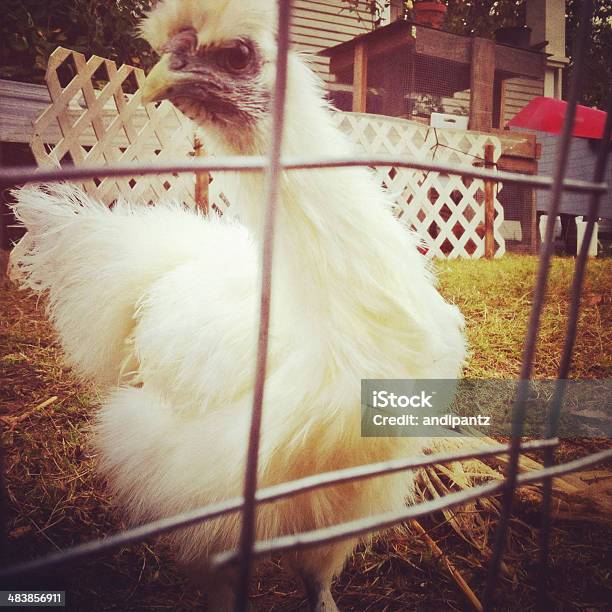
(429, 13)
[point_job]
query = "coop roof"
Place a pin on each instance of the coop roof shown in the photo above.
(547, 115)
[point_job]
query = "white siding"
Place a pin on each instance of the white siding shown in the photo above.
(318, 24)
(519, 92)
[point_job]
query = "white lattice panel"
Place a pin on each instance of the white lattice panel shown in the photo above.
(447, 211)
(101, 123)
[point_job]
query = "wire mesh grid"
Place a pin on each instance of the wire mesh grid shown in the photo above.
(249, 549)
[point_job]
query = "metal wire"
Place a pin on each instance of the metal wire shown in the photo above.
(247, 534)
(34, 174)
(566, 357)
(519, 408)
(94, 548)
(383, 521)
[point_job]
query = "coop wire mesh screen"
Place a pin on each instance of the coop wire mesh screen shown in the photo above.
(249, 549)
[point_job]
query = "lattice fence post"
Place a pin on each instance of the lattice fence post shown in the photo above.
(202, 178)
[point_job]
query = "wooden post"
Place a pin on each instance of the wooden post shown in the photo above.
(360, 78)
(482, 77)
(202, 179)
(533, 201)
(503, 96)
(489, 202)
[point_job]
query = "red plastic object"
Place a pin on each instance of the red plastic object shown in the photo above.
(430, 13)
(548, 115)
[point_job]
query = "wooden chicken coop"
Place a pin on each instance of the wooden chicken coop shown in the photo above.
(420, 73)
(387, 66)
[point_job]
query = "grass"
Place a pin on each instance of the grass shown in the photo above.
(53, 498)
(495, 298)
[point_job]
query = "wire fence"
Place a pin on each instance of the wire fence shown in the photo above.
(274, 165)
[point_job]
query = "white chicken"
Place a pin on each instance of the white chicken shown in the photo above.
(160, 306)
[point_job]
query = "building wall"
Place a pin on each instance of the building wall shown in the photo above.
(547, 21)
(519, 92)
(318, 24)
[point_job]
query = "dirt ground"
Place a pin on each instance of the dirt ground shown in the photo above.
(53, 498)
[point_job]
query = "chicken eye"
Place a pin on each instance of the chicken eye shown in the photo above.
(235, 58)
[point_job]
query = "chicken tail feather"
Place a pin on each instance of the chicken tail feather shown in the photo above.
(96, 263)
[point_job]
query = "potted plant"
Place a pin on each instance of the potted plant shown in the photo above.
(429, 13)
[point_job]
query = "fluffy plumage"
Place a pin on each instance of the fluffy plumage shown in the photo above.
(159, 305)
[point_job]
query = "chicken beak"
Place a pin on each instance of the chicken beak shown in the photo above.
(158, 81)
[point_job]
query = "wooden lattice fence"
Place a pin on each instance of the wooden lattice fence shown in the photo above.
(101, 120)
(447, 211)
(96, 116)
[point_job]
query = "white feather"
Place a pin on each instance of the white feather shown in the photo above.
(175, 296)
